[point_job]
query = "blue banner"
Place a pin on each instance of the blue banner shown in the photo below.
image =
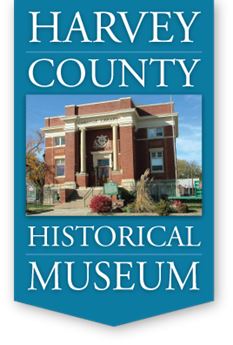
(118, 97)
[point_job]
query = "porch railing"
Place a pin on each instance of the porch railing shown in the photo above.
(87, 195)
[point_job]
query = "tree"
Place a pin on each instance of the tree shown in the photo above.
(36, 168)
(187, 169)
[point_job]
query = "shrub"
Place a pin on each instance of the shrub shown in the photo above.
(163, 208)
(101, 204)
(126, 195)
(180, 207)
(129, 208)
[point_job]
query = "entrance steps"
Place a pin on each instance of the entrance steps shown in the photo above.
(83, 198)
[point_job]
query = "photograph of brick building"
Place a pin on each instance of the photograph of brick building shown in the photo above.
(114, 140)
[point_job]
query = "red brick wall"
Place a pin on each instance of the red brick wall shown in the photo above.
(50, 154)
(48, 142)
(169, 161)
(65, 195)
(58, 151)
(133, 155)
(82, 180)
(93, 108)
(59, 180)
(70, 152)
(106, 106)
(49, 160)
(168, 131)
(146, 110)
(143, 153)
(54, 121)
(127, 149)
(141, 133)
(142, 162)
(71, 110)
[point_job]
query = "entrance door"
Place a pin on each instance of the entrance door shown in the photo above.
(102, 171)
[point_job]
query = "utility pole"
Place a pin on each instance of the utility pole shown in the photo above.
(174, 143)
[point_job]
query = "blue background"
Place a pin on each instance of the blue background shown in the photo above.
(111, 307)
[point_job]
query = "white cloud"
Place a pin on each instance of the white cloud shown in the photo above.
(189, 149)
(189, 143)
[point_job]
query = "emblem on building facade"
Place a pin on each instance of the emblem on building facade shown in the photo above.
(100, 141)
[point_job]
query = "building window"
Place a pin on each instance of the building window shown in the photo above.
(59, 141)
(156, 132)
(60, 167)
(156, 160)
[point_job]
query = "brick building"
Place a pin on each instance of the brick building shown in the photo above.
(110, 141)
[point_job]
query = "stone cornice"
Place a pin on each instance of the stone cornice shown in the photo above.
(126, 117)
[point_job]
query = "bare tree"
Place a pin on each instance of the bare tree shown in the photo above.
(144, 202)
(188, 169)
(36, 168)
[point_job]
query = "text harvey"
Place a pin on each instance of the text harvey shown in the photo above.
(99, 29)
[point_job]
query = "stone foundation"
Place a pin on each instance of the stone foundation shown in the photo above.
(128, 184)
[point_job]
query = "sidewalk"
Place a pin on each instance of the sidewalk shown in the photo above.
(87, 212)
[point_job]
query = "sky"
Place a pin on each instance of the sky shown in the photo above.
(189, 108)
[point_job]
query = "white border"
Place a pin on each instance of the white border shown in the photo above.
(208, 323)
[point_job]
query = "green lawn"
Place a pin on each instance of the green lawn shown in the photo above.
(195, 205)
(38, 208)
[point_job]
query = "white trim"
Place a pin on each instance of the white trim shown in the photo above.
(101, 155)
(157, 138)
(152, 123)
(59, 157)
(69, 185)
(53, 132)
(54, 117)
(159, 121)
(106, 121)
(69, 118)
(70, 127)
(56, 146)
(124, 117)
(153, 104)
(81, 174)
(158, 116)
(70, 124)
(106, 113)
(95, 152)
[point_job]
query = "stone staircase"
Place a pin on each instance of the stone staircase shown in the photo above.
(84, 196)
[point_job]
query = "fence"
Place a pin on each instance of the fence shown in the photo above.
(162, 189)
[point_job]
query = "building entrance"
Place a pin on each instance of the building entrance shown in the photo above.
(102, 171)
